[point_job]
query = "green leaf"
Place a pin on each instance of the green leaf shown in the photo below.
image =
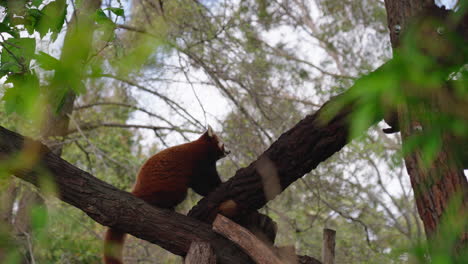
(16, 55)
(116, 11)
(22, 97)
(101, 17)
(430, 148)
(46, 61)
(363, 118)
(303, 74)
(36, 3)
(32, 19)
(4, 27)
(12, 100)
(53, 18)
(96, 68)
(38, 217)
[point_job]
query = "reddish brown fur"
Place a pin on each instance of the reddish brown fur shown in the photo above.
(164, 179)
(113, 246)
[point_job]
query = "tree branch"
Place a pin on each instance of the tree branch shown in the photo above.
(297, 151)
(99, 200)
(94, 126)
(294, 154)
(171, 103)
(134, 107)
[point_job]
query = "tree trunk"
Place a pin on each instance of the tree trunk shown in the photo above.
(442, 183)
(69, 76)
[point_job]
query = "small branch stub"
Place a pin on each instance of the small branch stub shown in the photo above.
(200, 253)
(328, 247)
(253, 246)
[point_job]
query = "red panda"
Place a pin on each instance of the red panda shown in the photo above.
(164, 179)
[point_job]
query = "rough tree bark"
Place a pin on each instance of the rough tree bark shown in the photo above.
(200, 252)
(110, 206)
(295, 153)
(437, 185)
(328, 246)
(106, 204)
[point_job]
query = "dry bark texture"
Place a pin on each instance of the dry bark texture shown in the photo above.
(112, 207)
(200, 253)
(328, 246)
(434, 186)
(260, 252)
(33, 162)
(294, 154)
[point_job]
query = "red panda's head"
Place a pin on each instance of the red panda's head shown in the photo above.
(215, 142)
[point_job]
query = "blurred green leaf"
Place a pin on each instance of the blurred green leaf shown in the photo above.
(53, 18)
(431, 146)
(36, 3)
(116, 11)
(363, 118)
(22, 97)
(7, 29)
(439, 249)
(46, 61)
(16, 55)
(38, 217)
(32, 19)
(101, 17)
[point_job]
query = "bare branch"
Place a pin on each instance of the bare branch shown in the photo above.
(141, 109)
(349, 217)
(94, 126)
(171, 103)
(228, 94)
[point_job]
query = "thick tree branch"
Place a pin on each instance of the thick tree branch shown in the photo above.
(108, 205)
(442, 182)
(294, 154)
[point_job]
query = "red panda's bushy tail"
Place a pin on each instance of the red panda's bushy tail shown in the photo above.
(113, 246)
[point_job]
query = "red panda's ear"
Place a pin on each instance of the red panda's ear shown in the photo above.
(208, 135)
(210, 131)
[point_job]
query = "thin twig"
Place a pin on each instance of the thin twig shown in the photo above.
(135, 108)
(175, 106)
(94, 126)
(346, 216)
(193, 90)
